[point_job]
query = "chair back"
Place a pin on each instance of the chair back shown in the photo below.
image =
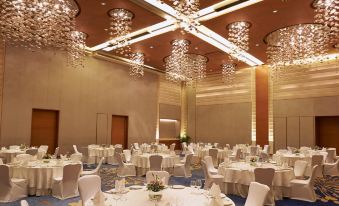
(24, 203)
(208, 162)
(32, 152)
(75, 148)
(56, 152)
(331, 155)
(300, 168)
(5, 180)
(118, 146)
(291, 149)
(43, 148)
(313, 174)
(127, 154)
(76, 157)
(71, 174)
(266, 149)
(257, 194)
(264, 156)
(89, 186)
(136, 146)
(172, 147)
(118, 150)
(188, 160)
(228, 146)
(264, 176)
(162, 175)
(96, 170)
(23, 157)
(205, 170)
(317, 160)
(238, 154)
(155, 162)
(214, 154)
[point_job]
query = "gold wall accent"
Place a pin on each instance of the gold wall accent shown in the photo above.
(2, 71)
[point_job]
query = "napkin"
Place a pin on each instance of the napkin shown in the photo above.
(99, 199)
(215, 193)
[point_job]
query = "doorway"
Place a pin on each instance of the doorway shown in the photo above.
(327, 131)
(44, 130)
(119, 130)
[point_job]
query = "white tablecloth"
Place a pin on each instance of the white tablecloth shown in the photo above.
(100, 151)
(221, 153)
(290, 159)
(38, 174)
(181, 197)
(239, 175)
(10, 154)
(142, 162)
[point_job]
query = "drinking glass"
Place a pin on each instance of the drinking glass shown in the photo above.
(199, 184)
(193, 183)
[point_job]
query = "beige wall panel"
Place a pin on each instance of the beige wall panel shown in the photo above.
(42, 80)
(307, 137)
(102, 129)
(293, 132)
(167, 111)
(326, 106)
(280, 133)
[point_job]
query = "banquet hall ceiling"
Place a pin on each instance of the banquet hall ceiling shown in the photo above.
(265, 17)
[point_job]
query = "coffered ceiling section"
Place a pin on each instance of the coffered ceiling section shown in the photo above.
(155, 25)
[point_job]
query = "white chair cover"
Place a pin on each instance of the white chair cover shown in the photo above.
(257, 194)
(127, 154)
(331, 168)
(172, 147)
(89, 186)
(56, 152)
(136, 146)
(11, 189)
(24, 203)
(209, 163)
(67, 186)
(214, 154)
(155, 162)
(300, 168)
(75, 148)
(303, 189)
(318, 160)
(124, 169)
(118, 150)
(184, 170)
(253, 150)
(43, 148)
(211, 178)
(331, 155)
(163, 176)
(95, 171)
(266, 149)
(76, 157)
(265, 176)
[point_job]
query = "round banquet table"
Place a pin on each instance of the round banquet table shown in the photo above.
(10, 154)
(98, 152)
(221, 153)
(38, 174)
(290, 159)
(181, 197)
(143, 164)
(239, 175)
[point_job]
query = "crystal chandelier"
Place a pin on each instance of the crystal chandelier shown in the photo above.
(238, 34)
(187, 10)
(76, 49)
(228, 72)
(120, 28)
(184, 67)
(296, 45)
(327, 13)
(137, 64)
(38, 23)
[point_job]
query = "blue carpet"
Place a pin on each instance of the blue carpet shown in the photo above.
(327, 190)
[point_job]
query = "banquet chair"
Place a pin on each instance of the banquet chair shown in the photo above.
(265, 176)
(237, 155)
(1, 162)
(124, 169)
(56, 153)
(11, 189)
(300, 168)
(318, 160)
(216, 144)
(172, 147)
(14, 147)
(136, 146)
(228, 146)
(183, 170)
(43, 148)
(214, 154)
(95, 171)
(76, 157)
(210, 166)
(303, 189)
(127, 155)
(24, 203)
(118, 146)
(211, 178)
(75, 148)
(331, 169)
(264, 156)
(266, 149)
(23, 157)
(32, 152)
(257, 194)
(118, 150)
(67, 186)
(331, 155)
(155, 162)
(162, 175)
(291, 149)
(89, 187)
(253, 150)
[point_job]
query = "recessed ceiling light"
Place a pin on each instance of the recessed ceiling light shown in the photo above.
(257, 45)
(151, 47)
(106, 29)
(196, 48)
(103, 3)
(275, 11)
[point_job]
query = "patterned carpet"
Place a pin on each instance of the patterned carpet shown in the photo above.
(327, 190)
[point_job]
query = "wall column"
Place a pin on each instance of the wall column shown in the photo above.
(2, 73)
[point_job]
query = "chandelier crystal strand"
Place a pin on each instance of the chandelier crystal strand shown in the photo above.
(296, 45)
(37, 24)
(183, 67)
(327, 13)
(228, 72)
(120, 28)
(137, 65)
(76, 49)
(187, 10)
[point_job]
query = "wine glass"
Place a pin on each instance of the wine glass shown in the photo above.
(193, 184)
(199, 184)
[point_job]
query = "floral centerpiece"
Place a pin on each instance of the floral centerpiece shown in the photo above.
(297, 152)
(46, 158)
(22, 147)
(155, 187)
(253, 161)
